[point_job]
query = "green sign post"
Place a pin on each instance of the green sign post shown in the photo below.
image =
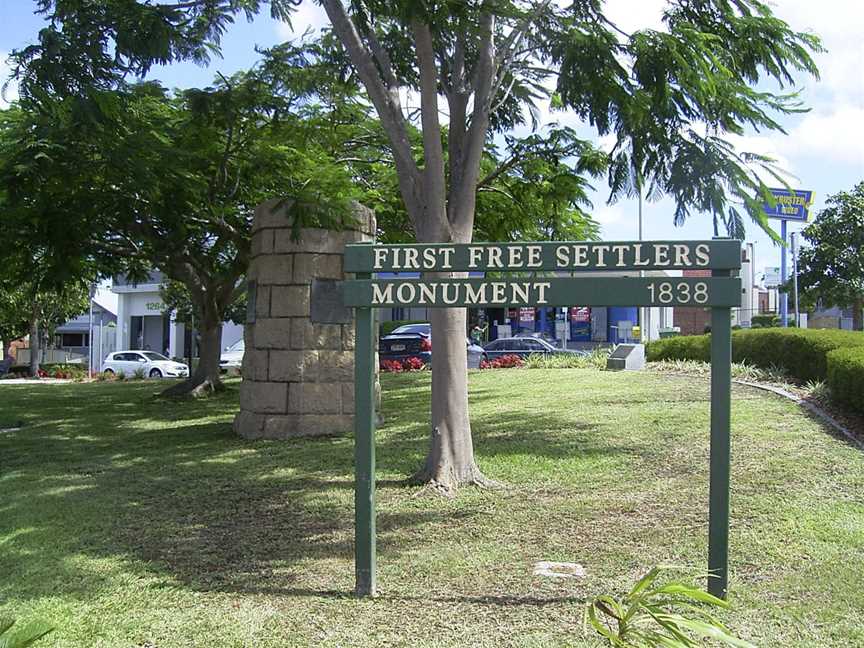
(547, 274)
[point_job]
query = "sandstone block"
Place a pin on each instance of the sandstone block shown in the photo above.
(293, 366)
(262, 243)
(262, 302)
(317, 266)
(336, 366)
(289, 301)
(249, 425)
(305, 425)
(254, 364)
(272, 333)
(315, 398)
(348, 398)
(274, 269)
(271, 213)
(305, 335)
(263, 397)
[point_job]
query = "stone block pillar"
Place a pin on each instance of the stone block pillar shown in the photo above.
(298, 376)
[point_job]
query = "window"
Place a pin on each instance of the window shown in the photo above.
(497, 345)
(157, 357)
(73, 339)
(534, 345)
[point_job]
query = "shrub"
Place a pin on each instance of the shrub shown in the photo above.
(408, 364)
(66, 371)
(767, 320)
(594, 360)
(121, 375)
(660, 613)
(846, 377)
(139, 374)
(21, 636)
(799, 353)
(508, 361)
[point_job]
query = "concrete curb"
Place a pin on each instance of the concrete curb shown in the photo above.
(810, 407)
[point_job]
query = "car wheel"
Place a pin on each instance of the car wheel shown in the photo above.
(109, 371)
(155, 373)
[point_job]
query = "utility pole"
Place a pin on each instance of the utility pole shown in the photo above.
(795, 278)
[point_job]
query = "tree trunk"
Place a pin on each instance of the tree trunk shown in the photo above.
(35, 348)
(450, 461)
(857, 315)
(206, 378)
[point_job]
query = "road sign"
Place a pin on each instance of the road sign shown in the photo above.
(540, 267)
(791, 205)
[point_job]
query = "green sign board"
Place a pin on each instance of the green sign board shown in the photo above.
(547, 274)
(552, 291)
(572, 256)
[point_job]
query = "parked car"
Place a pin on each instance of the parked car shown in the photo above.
(415, 341)
(154, 365)
(523, 347)
(232, 358)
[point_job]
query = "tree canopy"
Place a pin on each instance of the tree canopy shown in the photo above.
(831, 267)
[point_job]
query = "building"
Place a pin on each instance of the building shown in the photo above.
(73, 337)
(573, 326)
(143, 324)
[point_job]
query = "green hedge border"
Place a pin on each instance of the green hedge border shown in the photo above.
(833, 356)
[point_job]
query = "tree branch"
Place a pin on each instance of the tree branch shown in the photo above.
(386, 102)
(433, 152)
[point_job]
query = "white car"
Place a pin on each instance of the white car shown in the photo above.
(154, 365)
(232, 357)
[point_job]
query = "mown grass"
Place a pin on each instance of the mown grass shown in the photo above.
(131, 521)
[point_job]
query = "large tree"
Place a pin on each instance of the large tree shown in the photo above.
(831, 267)
(667, 97)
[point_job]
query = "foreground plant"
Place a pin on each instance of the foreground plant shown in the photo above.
(22, 636)
(657, 612)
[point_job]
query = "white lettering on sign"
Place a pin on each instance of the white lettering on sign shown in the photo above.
(565, 256)
(487, 292)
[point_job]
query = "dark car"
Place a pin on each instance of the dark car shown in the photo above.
(415, 341)
(523, 347)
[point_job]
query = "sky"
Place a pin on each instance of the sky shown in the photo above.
(822, 150)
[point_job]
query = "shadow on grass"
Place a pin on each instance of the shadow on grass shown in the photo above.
(107, 471)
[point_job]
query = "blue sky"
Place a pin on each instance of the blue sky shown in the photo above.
(824, 148)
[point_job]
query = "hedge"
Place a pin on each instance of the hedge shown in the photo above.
(801, 353)
(846, 377)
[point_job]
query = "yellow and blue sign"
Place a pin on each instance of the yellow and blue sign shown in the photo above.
(789, 205)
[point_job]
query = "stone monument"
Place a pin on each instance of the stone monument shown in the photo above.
(298, 375)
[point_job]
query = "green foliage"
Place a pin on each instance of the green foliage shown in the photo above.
(139, 374)
(831, 268)
(845, 377)
(21, 636)
(121, 375)
(595, 360)
(658, 612)
(768, 320)
(802, 354)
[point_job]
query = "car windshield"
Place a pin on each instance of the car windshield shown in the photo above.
(150, 355)
(239, 345)
(422, 329)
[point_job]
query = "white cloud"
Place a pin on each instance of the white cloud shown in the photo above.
(307, 16)
(832, 133)
(9, 93)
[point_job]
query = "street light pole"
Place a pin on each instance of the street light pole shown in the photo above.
(795, 278)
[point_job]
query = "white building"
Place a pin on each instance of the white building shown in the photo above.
(143, 324)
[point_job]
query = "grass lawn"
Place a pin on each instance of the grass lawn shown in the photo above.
(129, 521)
